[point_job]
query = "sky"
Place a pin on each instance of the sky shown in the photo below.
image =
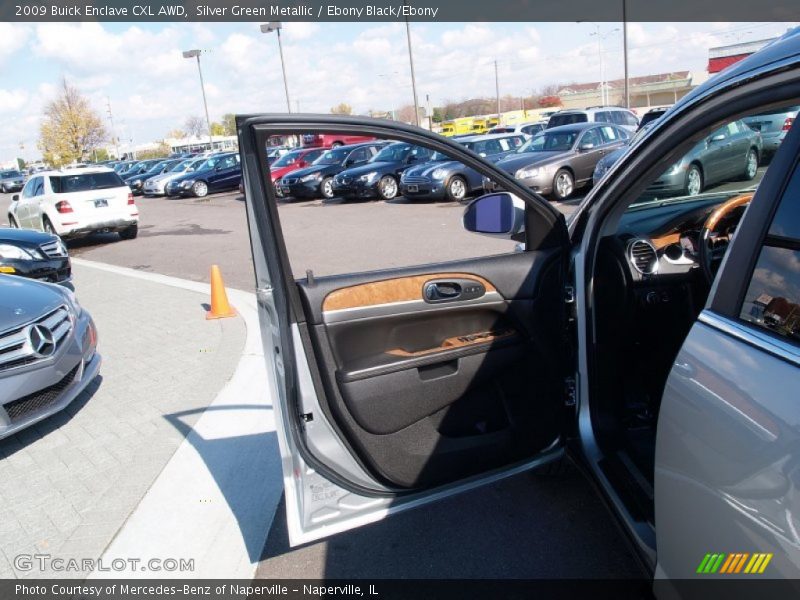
(138, 68)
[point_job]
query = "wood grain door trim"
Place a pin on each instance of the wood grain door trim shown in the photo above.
(390, 291)
(483, 337)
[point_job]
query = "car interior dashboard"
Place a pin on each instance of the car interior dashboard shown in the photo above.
(649, 287)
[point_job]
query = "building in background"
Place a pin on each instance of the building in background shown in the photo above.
(723, 56)
(647, 91)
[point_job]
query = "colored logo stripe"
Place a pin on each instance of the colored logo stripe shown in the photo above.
(737, 562)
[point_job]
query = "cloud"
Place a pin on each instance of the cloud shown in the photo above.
(12, 38)
(12, 100)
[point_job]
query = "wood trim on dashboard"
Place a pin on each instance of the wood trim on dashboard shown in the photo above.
(483, 337)
(389, 291)
(666, 239)
(723, 209)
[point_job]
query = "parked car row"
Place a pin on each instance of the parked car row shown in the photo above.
(555, 161)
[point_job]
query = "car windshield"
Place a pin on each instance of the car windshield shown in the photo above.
(210, 163)
(287, 159)
(66, 184)
(550, 141)
(6, 174)
(393, 152)
(567, 119)
(722, 165)
(332, 157)
(181, 166)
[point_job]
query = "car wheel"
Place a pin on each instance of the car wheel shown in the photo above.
(456, 189)
(130, 233)
(563, 184)
(200, 189)
(12, 222)
(751, 166)
(326, 188)
(47, 226)
(4, 189)
(387, 187)
(694, 181)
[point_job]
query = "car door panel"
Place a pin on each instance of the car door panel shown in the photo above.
(399, 368)
(386, 400)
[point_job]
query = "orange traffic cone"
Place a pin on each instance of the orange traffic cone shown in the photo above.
(220, 308)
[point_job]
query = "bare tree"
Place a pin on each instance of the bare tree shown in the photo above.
(195, 126)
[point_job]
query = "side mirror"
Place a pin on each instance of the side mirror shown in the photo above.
(717, 138)
(15, 198)
(348, 163)
(585, 147)
(498, 214)
(218, 168)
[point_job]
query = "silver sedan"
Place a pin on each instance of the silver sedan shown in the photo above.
(47, 351)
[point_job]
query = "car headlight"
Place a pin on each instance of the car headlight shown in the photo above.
(369, 177)
(312, 177)
(187, 183)
(439, 173)
(528, 173)
(73, 301)
(674, 169)
(16, 253)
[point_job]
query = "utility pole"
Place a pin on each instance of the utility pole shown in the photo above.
(114, 137)
(413, 77)
(428, 110)
(625, 50)
(497, 89)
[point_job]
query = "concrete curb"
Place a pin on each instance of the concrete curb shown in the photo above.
(214, 501)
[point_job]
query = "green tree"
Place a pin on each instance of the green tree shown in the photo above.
(71, 128)
(218, 129)
(342, 109)
(229, 123)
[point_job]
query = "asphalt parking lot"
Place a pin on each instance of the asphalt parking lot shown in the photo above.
(181, 237)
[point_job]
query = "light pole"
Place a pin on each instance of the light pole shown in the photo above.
(413, 77)
(625, 51)
(276, 26)
(600, 38)
(196, 54)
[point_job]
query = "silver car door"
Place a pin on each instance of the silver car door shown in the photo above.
(728, 443)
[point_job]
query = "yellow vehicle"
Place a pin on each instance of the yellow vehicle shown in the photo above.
(448, 128)
(492, 122)
(479, 126)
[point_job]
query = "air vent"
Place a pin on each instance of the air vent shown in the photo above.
(643, 256)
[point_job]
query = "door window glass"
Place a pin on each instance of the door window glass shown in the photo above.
(592, 137)
(772, 300)
(27, 191)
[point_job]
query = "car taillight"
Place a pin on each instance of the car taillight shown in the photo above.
(130, 198)
(787, 124)
(63, 207)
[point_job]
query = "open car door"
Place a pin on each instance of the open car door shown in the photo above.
(402, 385)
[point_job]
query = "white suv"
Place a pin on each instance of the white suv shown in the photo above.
(596, 114)
(74, 202)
